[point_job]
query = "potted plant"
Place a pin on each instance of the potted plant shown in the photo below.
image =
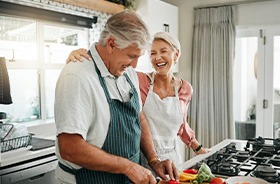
(129, 4)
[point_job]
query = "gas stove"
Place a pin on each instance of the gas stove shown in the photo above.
(258, 157)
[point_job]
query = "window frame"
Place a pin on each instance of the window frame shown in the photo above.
(40, 65)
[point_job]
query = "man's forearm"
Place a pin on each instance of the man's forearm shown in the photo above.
(74, 149)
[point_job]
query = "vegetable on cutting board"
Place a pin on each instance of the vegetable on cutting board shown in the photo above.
(173, 182)
(204, 174)
(187, 177)
(191, 171)
(217, 180)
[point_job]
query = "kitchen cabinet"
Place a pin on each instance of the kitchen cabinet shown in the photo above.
(159, 16)
(22, 166)
(38, 170)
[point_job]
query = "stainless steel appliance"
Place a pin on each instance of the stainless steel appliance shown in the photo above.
(257, 157)
(39, 170)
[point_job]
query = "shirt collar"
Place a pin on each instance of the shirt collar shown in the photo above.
(99, 62)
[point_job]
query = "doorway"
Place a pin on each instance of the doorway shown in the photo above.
(257, 83)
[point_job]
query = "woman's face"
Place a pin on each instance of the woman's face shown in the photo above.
(163, 56)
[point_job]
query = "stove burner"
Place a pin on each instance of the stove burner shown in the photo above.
(228, 169)
(259, 158)
(266, 172)
(231, 148)
(258, 140)
(275, 161)
(242, 156)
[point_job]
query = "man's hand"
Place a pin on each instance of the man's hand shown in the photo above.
(163, 168)
(140, 175)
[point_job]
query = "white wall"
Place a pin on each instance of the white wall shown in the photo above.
(256, 14)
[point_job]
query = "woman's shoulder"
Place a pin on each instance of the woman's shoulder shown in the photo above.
(186, 86)
(186, 90)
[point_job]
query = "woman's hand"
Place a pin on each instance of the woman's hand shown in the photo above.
(163, 168)
(78, 55)
(202, 151)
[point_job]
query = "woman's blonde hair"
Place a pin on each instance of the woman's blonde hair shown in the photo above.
(128, 29)
(171, 40)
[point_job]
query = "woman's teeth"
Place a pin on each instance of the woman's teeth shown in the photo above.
(161, 64)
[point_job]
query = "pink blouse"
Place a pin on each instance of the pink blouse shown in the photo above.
(185, 94)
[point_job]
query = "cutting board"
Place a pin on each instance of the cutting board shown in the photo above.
(162, 182)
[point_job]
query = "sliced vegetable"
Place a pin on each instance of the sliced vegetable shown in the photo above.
(173, 182)
(191, 171)
(187, 176)
(216, 181)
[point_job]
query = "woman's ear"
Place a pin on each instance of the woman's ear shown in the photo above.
(176, 55)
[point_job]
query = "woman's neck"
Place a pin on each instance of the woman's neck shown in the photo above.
(164, 85)
(164, 80)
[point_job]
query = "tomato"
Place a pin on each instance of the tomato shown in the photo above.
(173, 182)
(191, 171)
(216, 181)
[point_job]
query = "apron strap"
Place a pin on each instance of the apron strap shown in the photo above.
(153, 81)
(66, 168)
(102, 81)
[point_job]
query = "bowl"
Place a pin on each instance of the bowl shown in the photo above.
(245, 180)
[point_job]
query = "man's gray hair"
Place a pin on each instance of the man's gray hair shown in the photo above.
(128, 29)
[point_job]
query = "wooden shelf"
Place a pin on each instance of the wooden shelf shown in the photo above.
(98, 5)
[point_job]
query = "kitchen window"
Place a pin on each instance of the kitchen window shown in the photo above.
(35, 53)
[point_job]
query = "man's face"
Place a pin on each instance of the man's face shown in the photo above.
(120, 59)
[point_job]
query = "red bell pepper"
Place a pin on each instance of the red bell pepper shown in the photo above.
(173, 182)
(191, 171)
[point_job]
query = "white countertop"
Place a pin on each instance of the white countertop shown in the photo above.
(199, 158)
(22, 154)
(46, 131)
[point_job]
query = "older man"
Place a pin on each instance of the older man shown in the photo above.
(100, 125)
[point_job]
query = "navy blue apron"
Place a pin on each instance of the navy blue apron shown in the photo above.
(123, 138)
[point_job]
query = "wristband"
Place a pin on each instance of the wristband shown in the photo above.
(153, 159)
(198, 148)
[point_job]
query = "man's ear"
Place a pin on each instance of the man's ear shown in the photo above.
(110, 44)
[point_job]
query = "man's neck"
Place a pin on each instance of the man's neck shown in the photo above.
(102, 51)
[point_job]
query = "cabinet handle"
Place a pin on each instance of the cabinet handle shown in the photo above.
(38, 177)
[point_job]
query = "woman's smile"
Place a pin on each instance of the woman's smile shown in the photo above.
(161, 64)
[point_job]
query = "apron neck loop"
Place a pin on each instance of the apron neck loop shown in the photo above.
(153, 81)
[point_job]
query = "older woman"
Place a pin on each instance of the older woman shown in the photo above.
(165, 99)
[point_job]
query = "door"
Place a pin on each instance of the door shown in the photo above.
(272, 83)
(256, 83)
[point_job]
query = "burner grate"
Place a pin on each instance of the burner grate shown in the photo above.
(259, 158)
